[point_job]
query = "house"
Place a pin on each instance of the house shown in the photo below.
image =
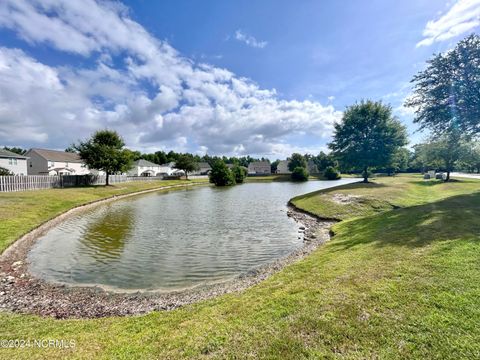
(168, 168)
(312, 167)
(143, 167)
(53, 162)
(259, 167)
(282, 167)
(204, 168)
(16, 164)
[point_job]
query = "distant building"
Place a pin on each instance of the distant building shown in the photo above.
(282, 167)
(16, 164)
(312, 167)
(53, 162)
(143, 167)
(168, 168)
(259, 167)
(204, 168)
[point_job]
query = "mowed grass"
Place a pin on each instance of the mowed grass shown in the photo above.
(394, 283)
(20, 212)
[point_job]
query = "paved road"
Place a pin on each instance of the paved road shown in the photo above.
(465, 175)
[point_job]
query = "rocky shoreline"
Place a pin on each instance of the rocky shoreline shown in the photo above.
(21, 292)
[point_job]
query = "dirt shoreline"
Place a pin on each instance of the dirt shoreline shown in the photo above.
(21, 292)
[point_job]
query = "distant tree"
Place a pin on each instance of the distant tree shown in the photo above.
(239, 173)
(300, 174)
(297, 160)
(332, 173)
(15, 150)
(4, 172)
(71, 149)
(105, 151)
(323, 161)
(368, 136)
(446, 151)
(447, 93)
(470, 160)
(220, 175)
(274, 166)
(399, 162)
(187, 163)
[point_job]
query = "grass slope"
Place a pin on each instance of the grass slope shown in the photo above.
(392, 283)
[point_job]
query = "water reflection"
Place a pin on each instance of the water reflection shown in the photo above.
(105, 237)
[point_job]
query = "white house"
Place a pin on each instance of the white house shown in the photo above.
(282, 167)
(144, 168)
(259, 167)
(53, 162)
(16, 164)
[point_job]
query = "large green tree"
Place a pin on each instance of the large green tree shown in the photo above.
(187, 163)
(105, 151)
(221, 174)
(447, 93)
(297, 160)
(368, 136)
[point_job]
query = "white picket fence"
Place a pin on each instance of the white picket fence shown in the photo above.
(39, 182)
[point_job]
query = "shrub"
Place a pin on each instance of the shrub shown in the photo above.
(239, 173)
(300, 174)
(331, 173)
(221, 174)
(4, 172)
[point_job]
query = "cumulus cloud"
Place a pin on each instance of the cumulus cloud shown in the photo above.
(249, 40)
(138, 85)
(463, 16)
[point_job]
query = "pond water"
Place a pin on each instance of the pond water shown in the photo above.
(173, 240)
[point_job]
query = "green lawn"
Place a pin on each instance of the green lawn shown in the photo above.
(399, 280)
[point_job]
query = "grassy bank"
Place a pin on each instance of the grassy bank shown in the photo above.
(22, 211)
(398, 280)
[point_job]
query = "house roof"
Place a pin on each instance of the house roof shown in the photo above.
(55, 155)
(259, 163)
(8, 154)
(204, 165)
(144, 163)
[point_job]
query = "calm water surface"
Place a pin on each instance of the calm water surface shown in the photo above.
(173, 240)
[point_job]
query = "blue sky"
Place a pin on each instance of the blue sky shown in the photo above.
(263, 78)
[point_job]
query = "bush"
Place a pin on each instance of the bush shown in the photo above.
(4, 172)
(221, 174)
(331, 173)
(300, 174)
(239, 173)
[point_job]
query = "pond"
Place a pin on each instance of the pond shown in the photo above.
(173, 240)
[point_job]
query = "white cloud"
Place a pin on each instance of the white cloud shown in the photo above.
(462, 17)
(249, 40)
(155, 98)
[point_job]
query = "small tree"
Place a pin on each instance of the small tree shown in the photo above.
(239, 173)
(186, 163)
(446, 151)
(331, 173)
(297, 160)
(4, 172)
(220, 175)
(105, 151)
(300, 174)
(368, 136)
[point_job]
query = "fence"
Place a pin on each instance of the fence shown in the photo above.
(38, 182)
